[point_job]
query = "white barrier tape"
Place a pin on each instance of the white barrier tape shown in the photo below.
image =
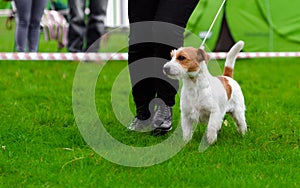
(64, 56)
(124, 56)
(5, 12)
(250, 55)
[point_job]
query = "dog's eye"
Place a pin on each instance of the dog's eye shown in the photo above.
(181, 58)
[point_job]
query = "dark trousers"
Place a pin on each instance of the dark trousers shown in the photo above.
(156, 28)
(79, 31)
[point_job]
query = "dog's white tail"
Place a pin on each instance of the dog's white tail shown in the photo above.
(231, 57)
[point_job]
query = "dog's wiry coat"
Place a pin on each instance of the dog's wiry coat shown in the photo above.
(205, 98)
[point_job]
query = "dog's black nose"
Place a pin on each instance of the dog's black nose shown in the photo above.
(167, 69)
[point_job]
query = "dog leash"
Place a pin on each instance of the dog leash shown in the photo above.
(212, 24)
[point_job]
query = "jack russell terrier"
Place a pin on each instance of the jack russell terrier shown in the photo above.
(205, 98)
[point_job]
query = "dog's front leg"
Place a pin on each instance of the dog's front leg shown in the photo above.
(187, 128)
(214, 125)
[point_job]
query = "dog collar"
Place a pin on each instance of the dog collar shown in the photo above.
(193, 74)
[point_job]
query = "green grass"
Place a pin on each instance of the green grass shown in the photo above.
(44, 148)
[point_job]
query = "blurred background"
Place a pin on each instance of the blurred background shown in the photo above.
(264, 25)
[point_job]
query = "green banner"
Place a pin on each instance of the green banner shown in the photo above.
(264, 25)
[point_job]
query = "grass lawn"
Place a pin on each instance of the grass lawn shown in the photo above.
(42, 146)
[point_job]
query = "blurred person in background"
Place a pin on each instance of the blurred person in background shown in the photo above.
(82, 36)
(29, 14)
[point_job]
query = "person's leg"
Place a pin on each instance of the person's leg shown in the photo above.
(171, 18)
(37, 11)
(95, 25)
(77, 28)
(23, 14)
(176, 13)
(141, 53)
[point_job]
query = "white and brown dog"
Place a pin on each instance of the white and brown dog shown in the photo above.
(205, 98)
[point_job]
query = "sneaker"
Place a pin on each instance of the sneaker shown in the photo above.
(162, 120)
(140, 125)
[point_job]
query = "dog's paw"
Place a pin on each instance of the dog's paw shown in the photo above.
(187, 137)
(242, 130)
(211, 137)
(187, 133)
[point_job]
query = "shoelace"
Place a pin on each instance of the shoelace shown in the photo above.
(163, 111)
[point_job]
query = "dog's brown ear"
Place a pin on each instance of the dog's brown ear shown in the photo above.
(172, 53)
(202, 55)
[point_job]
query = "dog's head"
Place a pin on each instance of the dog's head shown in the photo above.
(185, 63)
